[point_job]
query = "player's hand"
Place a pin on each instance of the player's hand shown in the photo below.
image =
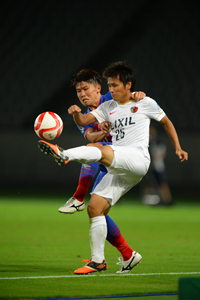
(105, 127)
(183, 156)
(137, 96)
(74, 109)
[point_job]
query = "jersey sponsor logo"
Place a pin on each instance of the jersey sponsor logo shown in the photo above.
(112, 112)
(86, 166)
(122, 122)
(134, 109)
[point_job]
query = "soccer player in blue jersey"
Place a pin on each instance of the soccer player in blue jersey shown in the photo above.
(88, 87)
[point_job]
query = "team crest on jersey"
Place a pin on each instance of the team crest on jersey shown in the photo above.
(134, 109)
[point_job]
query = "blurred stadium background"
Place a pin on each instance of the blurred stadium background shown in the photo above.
(44, 42)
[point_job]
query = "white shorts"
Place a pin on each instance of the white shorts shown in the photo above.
(127, 169)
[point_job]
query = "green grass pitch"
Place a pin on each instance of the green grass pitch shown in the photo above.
(45, 247)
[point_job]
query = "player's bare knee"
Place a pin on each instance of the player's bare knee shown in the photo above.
(107, 155)
(92, 211)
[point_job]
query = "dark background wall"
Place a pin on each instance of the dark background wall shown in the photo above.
(42, 43)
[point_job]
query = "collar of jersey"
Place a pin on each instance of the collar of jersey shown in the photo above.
(125, 102)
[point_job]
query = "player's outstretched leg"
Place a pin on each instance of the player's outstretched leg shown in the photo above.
(82, 154)
(128, 265)
(55, 151)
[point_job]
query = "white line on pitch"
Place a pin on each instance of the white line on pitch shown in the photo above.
(101, 275)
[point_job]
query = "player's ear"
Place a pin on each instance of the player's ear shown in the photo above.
(128, 85)
(99, 88)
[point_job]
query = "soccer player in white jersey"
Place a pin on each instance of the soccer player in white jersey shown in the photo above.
(127, 160)
(87, 84)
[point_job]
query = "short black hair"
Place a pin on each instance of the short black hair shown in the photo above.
(87, 75)
(123, 71)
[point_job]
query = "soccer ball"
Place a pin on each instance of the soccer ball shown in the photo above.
(48, 126)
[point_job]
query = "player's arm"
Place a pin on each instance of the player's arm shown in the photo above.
(79, 118)
(94, 136)
(171, 131)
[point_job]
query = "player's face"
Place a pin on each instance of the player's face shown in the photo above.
(119, 92)
(88, 94)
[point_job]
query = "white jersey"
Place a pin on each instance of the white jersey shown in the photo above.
(129, 122)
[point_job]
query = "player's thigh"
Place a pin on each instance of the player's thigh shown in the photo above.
(107, 153)
(129, 161)
(113, 186)
(94, 145)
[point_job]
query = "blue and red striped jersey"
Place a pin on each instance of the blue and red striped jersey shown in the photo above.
(95, 126)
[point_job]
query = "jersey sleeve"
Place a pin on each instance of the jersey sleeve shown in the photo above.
(100, 112)
(83, 129)
(154, 111)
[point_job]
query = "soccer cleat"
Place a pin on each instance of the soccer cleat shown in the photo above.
(91, 267)
(129, 264)
(55, 151)
(71, 206)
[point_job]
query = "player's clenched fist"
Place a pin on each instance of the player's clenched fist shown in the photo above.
(105, 127)
(182, 155)
(74, 109)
